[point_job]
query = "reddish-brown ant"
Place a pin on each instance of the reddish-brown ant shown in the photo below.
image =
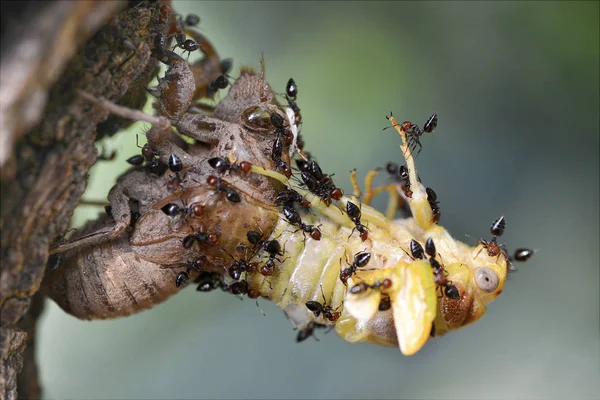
(413, 132)
(492, 247)
(276, 154)
(361, 259)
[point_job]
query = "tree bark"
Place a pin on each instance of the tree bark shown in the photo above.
(47, 136)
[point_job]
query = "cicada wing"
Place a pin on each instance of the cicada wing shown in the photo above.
(414, 304)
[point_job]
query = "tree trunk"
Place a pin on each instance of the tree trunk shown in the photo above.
(47, 136)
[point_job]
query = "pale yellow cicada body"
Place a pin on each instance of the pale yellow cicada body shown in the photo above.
(413, 304)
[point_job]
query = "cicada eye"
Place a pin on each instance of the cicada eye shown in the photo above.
(486, 279)
(257, 119)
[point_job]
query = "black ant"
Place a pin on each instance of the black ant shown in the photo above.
(278, 123)
(172, 209)
(222, 165)
(191, 20)
(153, 164)
(294, 218)
(364, 286)
(400, 174)
(184, 276)
(439, 273)
(230, 194)
(416, 250)
(354, 213)
(361, 259)
(308, 331)
(209, 281)
(220, 83)
(492, 247)
(434, 204)
(291, 91)
(323, 189)
(522, 254)
(276, 153)
(328, 312)
(385, 303)
(238, 267)
(272, 247)
(288, 197)
(210, 238)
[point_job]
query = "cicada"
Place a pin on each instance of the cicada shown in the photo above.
(235, 214)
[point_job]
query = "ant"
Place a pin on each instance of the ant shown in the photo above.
(416, 250)
(294, 218)
(308, 331)
(152, 163)
(238, 267)
(184, 276)
(209, 281)
(222, 165)
(175, 166)
(191, 20)
(276, 153)
(288, 197)
(220, 83)
(328, 312)
(413, 132)
(230, 194)
(291, 91)
(497, 229)
(325, 190)
(439, 273)
(172, 209)
(361, 259)
(211, 238)
(364, 286)
(354, 213)
(434, 204)
(277, 122)
(522, 254)
(385, 303)
(400, 174)
(272, 247)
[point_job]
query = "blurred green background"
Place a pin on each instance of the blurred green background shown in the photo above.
(516, 88)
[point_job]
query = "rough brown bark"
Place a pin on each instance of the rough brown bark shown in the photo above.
(48, 146)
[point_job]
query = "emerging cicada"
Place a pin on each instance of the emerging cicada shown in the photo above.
(234, 214)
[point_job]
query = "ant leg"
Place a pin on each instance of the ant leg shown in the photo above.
(121, 214)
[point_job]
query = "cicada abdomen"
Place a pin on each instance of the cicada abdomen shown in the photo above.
(405, 281)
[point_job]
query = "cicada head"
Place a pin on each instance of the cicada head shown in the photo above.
(479, 279)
